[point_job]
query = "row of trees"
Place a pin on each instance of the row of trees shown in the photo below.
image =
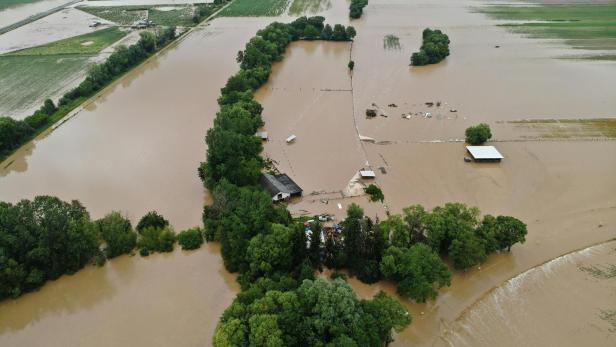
(407, 248)
(14, 133)
(45, 238)
(434, 48)
(281, 304)
(356, 8)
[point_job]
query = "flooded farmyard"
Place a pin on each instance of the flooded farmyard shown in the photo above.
(136, 147)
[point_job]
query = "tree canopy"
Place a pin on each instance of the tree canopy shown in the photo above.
(434, 48)
(478, 134)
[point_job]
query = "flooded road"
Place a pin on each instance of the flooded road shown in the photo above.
(163, 300)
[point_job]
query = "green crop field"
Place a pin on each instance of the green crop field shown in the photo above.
(255, 8)
(4, 4)
(307, 7)
(29, 76)
(584, 26)
(25, 81)
(90, 43)
(169, 15)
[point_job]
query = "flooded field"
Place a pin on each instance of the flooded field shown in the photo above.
(529, 309)
(125, 150)
(136, 148)
(163, 300)
(60, 25)
(20, 10)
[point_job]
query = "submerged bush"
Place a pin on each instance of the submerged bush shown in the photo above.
(156, 240)
(190, 239)
(376, 194)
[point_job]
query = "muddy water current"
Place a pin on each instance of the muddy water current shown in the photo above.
(136, 148)
(19, 12)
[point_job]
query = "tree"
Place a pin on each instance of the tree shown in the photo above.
(390, 314)
(41, 240)
(152, 219)
(478, 134)
(270, 252)
(376, 194)
(415, 217)
(190, 238)
(418, 271)
(315, 243)
(466, 250)
(117, 232)
(351, 65)
(154, 239)
(396, 231)
(327, 32)
(445, 222)
(434, 48)
(48, 107)
(509, 232)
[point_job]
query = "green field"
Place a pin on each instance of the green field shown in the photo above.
(127, 15)
(306, 7)
(255, 8)
(4, 4)
(90, 43)
(568, 128)
(29, 76)
(25, 81)
(584, 26)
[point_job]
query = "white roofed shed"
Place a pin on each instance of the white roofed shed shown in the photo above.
(484, 153)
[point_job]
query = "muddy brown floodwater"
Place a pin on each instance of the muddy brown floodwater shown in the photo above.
(538, 308)
(137, 147)
(163, 300)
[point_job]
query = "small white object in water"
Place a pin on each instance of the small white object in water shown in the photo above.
(339, 206)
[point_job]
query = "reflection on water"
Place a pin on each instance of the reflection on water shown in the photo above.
(170, 299)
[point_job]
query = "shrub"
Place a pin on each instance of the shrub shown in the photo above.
(478, 134)
(190, 239)
(376, 194)
(152, 219)
(117, 232)
(356, 9)
(156, 240)
(351, 65)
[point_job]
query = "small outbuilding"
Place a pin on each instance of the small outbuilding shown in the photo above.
(291, 139)
(281, 187)
(484, 153)
(263, 135)
(367, 174)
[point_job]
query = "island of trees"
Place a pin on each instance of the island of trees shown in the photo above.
(356, 9)
(434, 48)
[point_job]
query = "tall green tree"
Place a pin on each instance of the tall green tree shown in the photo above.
(418, 271)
